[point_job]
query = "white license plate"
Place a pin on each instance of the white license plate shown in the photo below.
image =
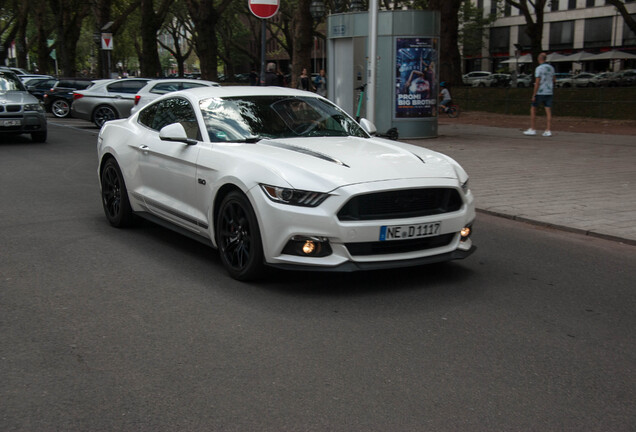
(401, 232)
(11, 123)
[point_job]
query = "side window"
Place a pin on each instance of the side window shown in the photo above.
(187, 85)
(115, 87)
(164, 88)
(147, 115)
(168, 111)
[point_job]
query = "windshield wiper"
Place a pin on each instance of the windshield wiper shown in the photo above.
(249, 140)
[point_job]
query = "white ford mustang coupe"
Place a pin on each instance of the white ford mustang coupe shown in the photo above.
(284, 178)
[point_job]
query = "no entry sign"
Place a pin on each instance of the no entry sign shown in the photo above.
(263, 8)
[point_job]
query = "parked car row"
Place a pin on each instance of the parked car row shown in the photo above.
(564, 80)
(606, 79)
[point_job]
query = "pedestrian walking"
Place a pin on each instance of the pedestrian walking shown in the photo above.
(542, 93)
(320, 82)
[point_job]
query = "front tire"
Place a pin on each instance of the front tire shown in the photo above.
(115, 196)
(38, 137)
(60, 108)
(453, 111)
(102, 114)
(238, 238)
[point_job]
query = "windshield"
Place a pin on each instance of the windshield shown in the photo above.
(248, 118)
(9, 82)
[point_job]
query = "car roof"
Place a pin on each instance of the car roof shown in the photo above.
(241, 91)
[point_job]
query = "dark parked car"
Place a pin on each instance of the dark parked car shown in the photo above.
(20, 112)
(38, 87)
(59, 98)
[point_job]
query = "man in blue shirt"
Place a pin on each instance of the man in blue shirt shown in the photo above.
(542, 94)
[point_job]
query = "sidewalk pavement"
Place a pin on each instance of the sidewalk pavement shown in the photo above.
(578, 182)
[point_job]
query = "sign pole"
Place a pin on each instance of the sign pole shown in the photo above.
(263, 43)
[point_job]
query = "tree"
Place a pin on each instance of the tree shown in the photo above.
(534, 26)
(205, 15)
(151, 22)
(450, 59)
(177, 26)
(69, 15)
(302, 40)
(620, 5)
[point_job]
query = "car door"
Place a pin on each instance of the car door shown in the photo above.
(167, 169)
(121, 94)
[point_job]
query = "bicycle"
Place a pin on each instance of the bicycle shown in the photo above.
(452, 110)
(392, 133)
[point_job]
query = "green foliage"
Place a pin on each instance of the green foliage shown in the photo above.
(472, 24)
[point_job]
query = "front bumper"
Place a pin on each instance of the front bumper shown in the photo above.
(23, 122)
(279, 223)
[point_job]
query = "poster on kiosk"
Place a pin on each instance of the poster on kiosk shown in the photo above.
(416, 84)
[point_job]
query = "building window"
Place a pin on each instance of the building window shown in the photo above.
(571, 4)
(589, 3)
(598, 32)
(499, 40)
(493, 7)
(507, 9)
(554, 5)
(561, 35)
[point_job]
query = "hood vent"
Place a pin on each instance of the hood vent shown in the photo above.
(304, 150)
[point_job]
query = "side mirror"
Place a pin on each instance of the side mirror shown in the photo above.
(175, 132)
(368, 126)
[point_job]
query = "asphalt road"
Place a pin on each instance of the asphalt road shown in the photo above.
(106, 330)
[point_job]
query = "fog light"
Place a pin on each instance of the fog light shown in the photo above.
(465, 233)
(308, 246)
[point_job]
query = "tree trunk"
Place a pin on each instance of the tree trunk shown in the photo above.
(450, 65)
(205, 16)
(150, 65)
(302, 41)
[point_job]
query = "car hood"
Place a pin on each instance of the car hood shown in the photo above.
(17, 97)
(326, 163)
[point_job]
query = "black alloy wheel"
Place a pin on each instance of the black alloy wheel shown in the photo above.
(115, 196)
(102, 114)
(238, 238)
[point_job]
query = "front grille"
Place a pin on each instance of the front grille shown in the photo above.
(399, 246)
(398, 204)
(14, 108)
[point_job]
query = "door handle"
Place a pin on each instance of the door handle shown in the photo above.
(144, 148)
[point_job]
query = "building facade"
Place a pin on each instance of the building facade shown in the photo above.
(570, 26)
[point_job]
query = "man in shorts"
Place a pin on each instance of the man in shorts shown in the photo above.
(542, 94)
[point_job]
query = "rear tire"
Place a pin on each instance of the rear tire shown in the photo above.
(102, 114)
(238, 238)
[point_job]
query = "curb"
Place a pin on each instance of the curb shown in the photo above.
(558, 227)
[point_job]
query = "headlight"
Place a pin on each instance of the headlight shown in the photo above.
(33, 107)
(294, 196)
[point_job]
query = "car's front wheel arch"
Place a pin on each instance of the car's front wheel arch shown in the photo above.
(238, 235)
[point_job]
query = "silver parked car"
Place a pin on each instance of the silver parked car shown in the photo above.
(475, 76)
(106, 100)
(20, 111)
(155, 88)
